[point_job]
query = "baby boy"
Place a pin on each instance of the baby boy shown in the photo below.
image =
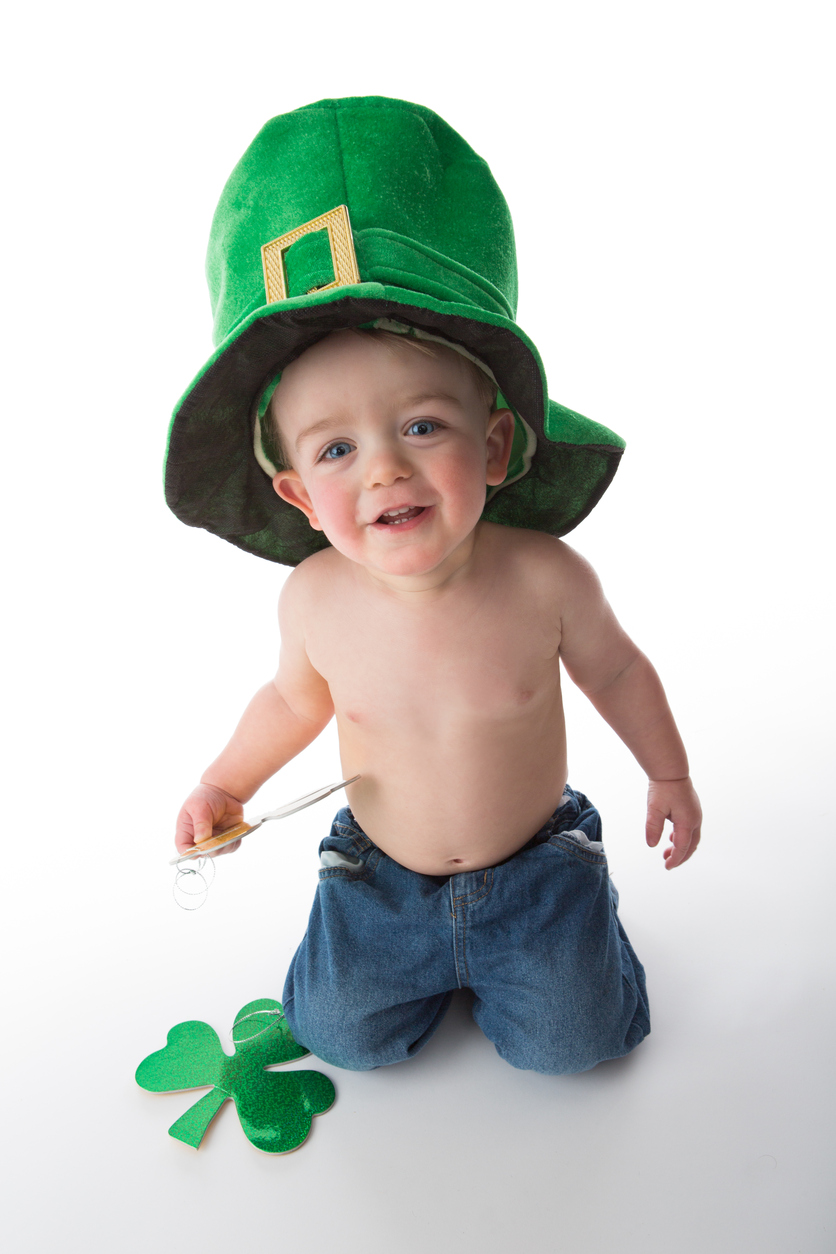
(435, 636)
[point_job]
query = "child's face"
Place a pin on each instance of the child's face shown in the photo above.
(391, 450)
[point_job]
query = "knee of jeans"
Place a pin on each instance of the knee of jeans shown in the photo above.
(571, 1051)
(573, 1056)
(339, 1037)
(563, 1060)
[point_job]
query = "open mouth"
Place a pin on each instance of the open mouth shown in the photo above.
(397, 517)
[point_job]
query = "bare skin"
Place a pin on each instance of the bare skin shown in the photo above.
(437, 639)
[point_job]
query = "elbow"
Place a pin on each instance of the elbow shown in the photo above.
(313, 710)
(625, 670)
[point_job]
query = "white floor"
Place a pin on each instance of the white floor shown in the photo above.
(685, 302)
(715, 1134)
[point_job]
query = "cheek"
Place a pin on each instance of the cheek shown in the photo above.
(462, 478)
(333, 503)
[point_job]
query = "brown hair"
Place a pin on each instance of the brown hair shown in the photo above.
(486, 388)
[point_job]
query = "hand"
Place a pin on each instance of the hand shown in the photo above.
(676, 800)
(206, 811)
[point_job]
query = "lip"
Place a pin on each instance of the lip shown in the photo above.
(409, 525)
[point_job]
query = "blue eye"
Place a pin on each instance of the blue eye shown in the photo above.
(335, 451)
(422, 427)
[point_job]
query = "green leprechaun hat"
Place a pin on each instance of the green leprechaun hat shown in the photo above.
(342, 214)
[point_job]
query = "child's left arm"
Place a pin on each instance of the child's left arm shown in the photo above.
(621, 683)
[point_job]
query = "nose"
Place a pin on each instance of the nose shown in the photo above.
(385, 464)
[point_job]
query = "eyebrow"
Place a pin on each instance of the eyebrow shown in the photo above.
(432, 396)
(315, 429)
(420, 398)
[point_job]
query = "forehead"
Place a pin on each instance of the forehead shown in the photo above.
(350, 365)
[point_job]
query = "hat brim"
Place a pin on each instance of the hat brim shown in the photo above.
(212, 478)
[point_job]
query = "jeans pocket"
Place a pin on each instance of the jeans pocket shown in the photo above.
(579, 846)
(580, 838)
(344, 853)
(336, 858)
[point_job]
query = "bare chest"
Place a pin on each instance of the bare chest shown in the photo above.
(442, 665)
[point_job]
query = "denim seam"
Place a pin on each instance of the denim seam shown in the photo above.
(353, 848)
(464, 949)
(359, 840)
(455, 918)
(478, 894)
(354, 834)
(577, 851)
(459, 914)
(460, 958)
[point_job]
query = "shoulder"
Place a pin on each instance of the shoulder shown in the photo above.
(543, 557)
(300, 593)
(310, 577)
(547, 576)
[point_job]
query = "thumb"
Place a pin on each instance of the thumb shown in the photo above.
(202, 821)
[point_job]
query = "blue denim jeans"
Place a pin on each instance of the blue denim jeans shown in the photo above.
(537, 938)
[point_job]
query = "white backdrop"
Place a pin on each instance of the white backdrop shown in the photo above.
(669, 170)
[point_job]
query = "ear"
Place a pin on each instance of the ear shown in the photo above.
(500, 438)
(289, 486)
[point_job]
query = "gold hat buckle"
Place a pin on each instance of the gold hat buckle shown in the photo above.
(343, 257)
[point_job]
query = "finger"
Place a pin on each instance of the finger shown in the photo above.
(675, 853)
(654, 826)
(684, 842)
(202, 821)
(692, 848)
(184, 832)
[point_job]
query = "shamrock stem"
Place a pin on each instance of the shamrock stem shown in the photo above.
(191, 1126)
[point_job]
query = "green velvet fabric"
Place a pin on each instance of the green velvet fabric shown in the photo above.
(406, 176)
(435, 249)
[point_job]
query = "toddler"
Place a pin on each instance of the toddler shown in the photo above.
(419, 486)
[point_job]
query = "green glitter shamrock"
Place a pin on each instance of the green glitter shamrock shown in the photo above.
(275, 1109)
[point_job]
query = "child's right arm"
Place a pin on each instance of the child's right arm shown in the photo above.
(281, 720)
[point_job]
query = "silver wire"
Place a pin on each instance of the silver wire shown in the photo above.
(239, 1040)
(186, 873)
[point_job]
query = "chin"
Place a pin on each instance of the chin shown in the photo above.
(406, 564)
